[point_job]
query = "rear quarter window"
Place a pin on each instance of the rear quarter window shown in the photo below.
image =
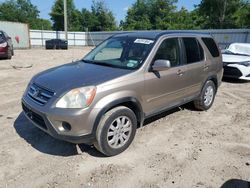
(212, 47)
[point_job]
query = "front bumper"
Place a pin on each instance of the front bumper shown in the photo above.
(237, 71)
(52, 124)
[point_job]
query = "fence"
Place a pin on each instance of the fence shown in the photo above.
(38, 37)
(228, 36)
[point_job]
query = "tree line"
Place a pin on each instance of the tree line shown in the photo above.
(142, 15)
(209, 14)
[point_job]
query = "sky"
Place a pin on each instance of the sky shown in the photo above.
(118, 7)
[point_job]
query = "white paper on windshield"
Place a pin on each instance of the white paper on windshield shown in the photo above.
(143, 41)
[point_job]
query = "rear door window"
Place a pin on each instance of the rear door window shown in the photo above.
(212, 47)
(193, 49)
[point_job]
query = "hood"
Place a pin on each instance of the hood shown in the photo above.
(240, 48)
(78, 74)
(230, 58)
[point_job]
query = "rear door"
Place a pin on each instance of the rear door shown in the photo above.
(196, 67)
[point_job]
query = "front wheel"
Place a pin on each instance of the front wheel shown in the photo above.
(116, 131)
(206, 98)
(9, 54)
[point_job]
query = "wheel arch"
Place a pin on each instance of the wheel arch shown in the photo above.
(214, 79)
(130, 102)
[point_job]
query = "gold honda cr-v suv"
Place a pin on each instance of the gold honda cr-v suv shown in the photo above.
(104, 97)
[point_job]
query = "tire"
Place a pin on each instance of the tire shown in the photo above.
(113, 144)
(9, 54)
(206, 98)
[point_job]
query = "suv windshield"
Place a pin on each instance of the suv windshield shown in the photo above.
(121, 52)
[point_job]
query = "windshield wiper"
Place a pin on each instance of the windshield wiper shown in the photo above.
(86, 61)
(98, 63)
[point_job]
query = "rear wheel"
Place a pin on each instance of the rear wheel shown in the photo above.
(206, 98)
(116, 131)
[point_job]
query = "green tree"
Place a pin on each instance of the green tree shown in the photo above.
(197, 19)
(162, 13)
(209, 14)
(182, 20)
(137, 17)
(242, 15)
(218, 13)
(21, 11)
(121, 25)
(88, 20)
(42, 24)
(57, 16)
(102, 18)
(151, 14)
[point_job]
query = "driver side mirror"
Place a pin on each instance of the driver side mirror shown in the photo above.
(161, 65)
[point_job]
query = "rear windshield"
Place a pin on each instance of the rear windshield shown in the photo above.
(212, 47)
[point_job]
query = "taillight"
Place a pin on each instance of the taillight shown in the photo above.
(3, 45)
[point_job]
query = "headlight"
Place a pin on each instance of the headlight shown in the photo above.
(77, 98)
(3, 45)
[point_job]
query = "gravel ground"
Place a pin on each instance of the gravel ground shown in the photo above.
(180, 148)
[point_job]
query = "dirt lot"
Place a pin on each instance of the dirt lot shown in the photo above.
(182, 148)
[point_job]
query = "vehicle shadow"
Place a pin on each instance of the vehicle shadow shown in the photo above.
(2, 58)
(160, 116)
(236, 183)
(188, 106)
(44, 143)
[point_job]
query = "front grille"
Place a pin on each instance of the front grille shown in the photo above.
(39, 95)
(34, 117)
(232, 71)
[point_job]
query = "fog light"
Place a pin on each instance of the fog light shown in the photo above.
(66, 126)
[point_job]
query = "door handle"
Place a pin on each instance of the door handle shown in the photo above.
(180, 72)
(206, 67)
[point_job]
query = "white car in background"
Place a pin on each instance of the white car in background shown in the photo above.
(236, 61)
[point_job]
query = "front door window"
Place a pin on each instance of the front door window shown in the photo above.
(169, 50)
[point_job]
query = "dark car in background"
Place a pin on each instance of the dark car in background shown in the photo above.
(6, 46)
(56, 44)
